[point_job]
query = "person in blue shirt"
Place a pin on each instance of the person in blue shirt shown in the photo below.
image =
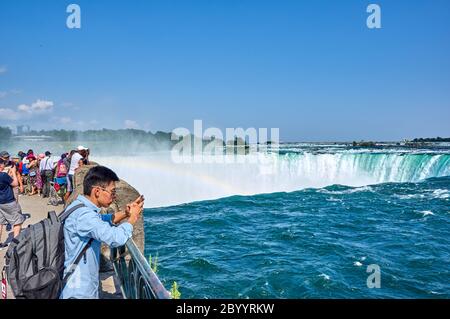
(86, 223)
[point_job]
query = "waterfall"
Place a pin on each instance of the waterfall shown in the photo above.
(165, 183)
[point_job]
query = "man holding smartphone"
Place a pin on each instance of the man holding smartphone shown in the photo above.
(86, 227)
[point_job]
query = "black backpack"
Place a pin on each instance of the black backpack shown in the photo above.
(35, 259)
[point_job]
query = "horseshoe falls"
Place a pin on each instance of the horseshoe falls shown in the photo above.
(313, 221)
(165, 183)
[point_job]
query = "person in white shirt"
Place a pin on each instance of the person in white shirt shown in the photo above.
(75, 161)
(46, 168)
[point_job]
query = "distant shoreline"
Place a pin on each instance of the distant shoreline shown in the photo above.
(161, 137)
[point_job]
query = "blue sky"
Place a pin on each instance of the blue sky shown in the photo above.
(310, 68)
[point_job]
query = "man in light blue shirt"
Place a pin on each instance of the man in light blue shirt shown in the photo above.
(87, 223)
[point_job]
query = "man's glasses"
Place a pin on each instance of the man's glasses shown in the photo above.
(112, 192)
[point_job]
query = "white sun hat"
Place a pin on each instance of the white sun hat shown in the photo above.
(82, 148)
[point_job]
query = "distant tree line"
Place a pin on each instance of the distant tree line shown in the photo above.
(121, 135)
(432, 139)
(104, 135)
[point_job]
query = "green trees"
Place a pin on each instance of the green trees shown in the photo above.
(436, 139)
(105, 135)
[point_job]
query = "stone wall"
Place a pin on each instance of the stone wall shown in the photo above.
(125, 194)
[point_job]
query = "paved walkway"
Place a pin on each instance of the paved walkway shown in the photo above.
(37, 209)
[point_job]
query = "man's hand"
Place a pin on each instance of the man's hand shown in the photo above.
(119, 216)
(138, 201)
(134, 209)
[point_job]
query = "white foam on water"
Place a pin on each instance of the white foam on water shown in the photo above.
(409, 196)
(426, 213)
(441, 193)
(324, 276)
(347, 191)
(357, 264)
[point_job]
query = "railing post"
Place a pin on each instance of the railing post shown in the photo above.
(137, 279)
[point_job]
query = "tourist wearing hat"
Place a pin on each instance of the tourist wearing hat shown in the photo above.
(21, 155)
(4, 154)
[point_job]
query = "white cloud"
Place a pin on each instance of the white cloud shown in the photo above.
(26, 111)
(3, 69)
(41, 106)
(24, 108)
(3, 94)
(131, 124)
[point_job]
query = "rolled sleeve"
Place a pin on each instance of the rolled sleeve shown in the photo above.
(108, 218)
(91, 224)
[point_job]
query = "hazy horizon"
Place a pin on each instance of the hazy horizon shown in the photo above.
(281, 141)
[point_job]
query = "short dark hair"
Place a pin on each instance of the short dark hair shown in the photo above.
(2, 161)
(98, 176)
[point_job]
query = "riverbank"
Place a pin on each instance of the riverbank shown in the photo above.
(36, 209)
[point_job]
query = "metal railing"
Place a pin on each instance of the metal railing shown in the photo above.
(137, 279)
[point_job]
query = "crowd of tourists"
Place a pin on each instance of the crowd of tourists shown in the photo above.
(33, 174)
(84, 227)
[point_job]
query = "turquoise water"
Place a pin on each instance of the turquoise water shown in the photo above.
(311, 243)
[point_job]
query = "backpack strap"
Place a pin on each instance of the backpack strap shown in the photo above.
(62, 218)
(66, 213)
(53, 217)
(75, 263)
